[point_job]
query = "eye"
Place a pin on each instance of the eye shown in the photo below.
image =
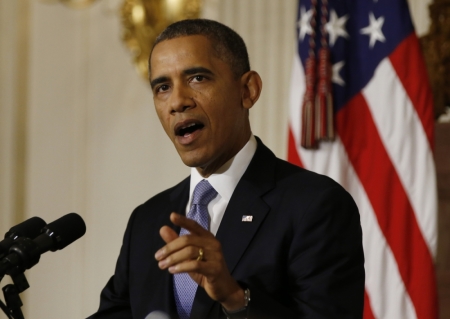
(198, 78)
(162, 88)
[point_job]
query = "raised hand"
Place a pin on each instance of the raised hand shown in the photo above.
(181, 254)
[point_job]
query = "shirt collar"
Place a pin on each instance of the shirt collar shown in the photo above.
(226, 178)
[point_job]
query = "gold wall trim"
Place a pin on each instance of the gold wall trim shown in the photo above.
(436, 49)
(143, 20)
(74, 4)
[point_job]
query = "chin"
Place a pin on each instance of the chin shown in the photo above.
(192, 161)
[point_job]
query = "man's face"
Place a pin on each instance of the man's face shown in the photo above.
(199, 102)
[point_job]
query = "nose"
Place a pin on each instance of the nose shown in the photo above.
(181, 99)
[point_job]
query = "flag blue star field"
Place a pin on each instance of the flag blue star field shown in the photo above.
(382, 113)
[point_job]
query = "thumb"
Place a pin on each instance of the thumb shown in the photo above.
(167, 234)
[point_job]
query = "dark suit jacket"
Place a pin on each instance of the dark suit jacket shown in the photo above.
(301, 256)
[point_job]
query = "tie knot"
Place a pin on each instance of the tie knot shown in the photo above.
(203, 193)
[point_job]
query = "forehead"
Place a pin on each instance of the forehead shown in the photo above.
(183, 52)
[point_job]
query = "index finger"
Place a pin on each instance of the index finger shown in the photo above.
(189, 224)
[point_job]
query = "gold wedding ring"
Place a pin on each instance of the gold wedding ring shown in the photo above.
(200, 254)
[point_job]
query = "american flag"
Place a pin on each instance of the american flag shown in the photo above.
(382, 153)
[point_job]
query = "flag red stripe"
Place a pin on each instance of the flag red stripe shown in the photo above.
(368, 313)
(409, 65)
(293, 156)
(392, 208)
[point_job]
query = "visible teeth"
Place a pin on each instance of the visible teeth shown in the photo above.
(189, 128)
(192, 124)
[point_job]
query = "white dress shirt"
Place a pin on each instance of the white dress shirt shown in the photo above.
(224, 181)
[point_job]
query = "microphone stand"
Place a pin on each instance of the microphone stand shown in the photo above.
(5, 310)
(11, 294)
(13, 301)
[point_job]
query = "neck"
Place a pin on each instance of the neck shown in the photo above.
(208, 170)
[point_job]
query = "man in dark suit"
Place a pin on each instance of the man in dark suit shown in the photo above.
(277, 242)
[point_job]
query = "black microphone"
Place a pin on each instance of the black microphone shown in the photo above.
(30, 228)
(25, 253)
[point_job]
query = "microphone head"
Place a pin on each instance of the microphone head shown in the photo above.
(65, 230)
(31, 228)
(157, 315)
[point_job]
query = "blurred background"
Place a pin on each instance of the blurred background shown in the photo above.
(78, 130)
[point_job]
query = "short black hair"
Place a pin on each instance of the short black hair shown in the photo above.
(229, 45)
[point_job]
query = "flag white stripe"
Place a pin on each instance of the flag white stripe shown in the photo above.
(406, 143)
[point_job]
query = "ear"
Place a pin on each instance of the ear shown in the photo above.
(251, 84)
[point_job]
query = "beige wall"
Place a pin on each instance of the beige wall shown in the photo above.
(78, 131)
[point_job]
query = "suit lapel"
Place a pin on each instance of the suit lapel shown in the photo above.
(234, 234)
(178, 201)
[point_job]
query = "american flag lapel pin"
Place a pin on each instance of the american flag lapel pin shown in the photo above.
(247, 218)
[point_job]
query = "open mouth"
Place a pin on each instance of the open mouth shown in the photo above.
(187, 129)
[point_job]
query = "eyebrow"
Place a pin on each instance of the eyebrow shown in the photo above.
(190, 71)
(159, 80)
(196, 70)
